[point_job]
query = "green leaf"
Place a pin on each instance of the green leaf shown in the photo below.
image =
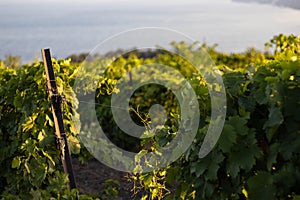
(244, 157)
(184, 189)
(239, 124)
(275, 118)
(49, 157)
(51, 123)
(289, 146)
(261, 186)
(247, 102)
(297, 197)
(41, 136)
(199, 167)
(212, 171)
(260, 96)
(171, 175)
(227, 139)
(38, 170)
(233, 81)
(36, 194)
(147, 179)
(28, 124)
(272, 156)
(18, 101)
(16, 162)
(248, 159)
(233, 169)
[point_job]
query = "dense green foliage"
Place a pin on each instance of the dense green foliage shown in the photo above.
(257, 156)
(29, 159)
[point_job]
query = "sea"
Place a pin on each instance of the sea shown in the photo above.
(69, 27)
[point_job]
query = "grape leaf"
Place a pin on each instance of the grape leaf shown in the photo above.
(261, 186)
(227, 138)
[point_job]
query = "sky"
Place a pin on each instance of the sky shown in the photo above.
(74, 26)
(113, 2)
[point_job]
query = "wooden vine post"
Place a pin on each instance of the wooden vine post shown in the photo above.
(56, 101)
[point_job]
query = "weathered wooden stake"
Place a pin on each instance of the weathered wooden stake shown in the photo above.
(56, 100)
